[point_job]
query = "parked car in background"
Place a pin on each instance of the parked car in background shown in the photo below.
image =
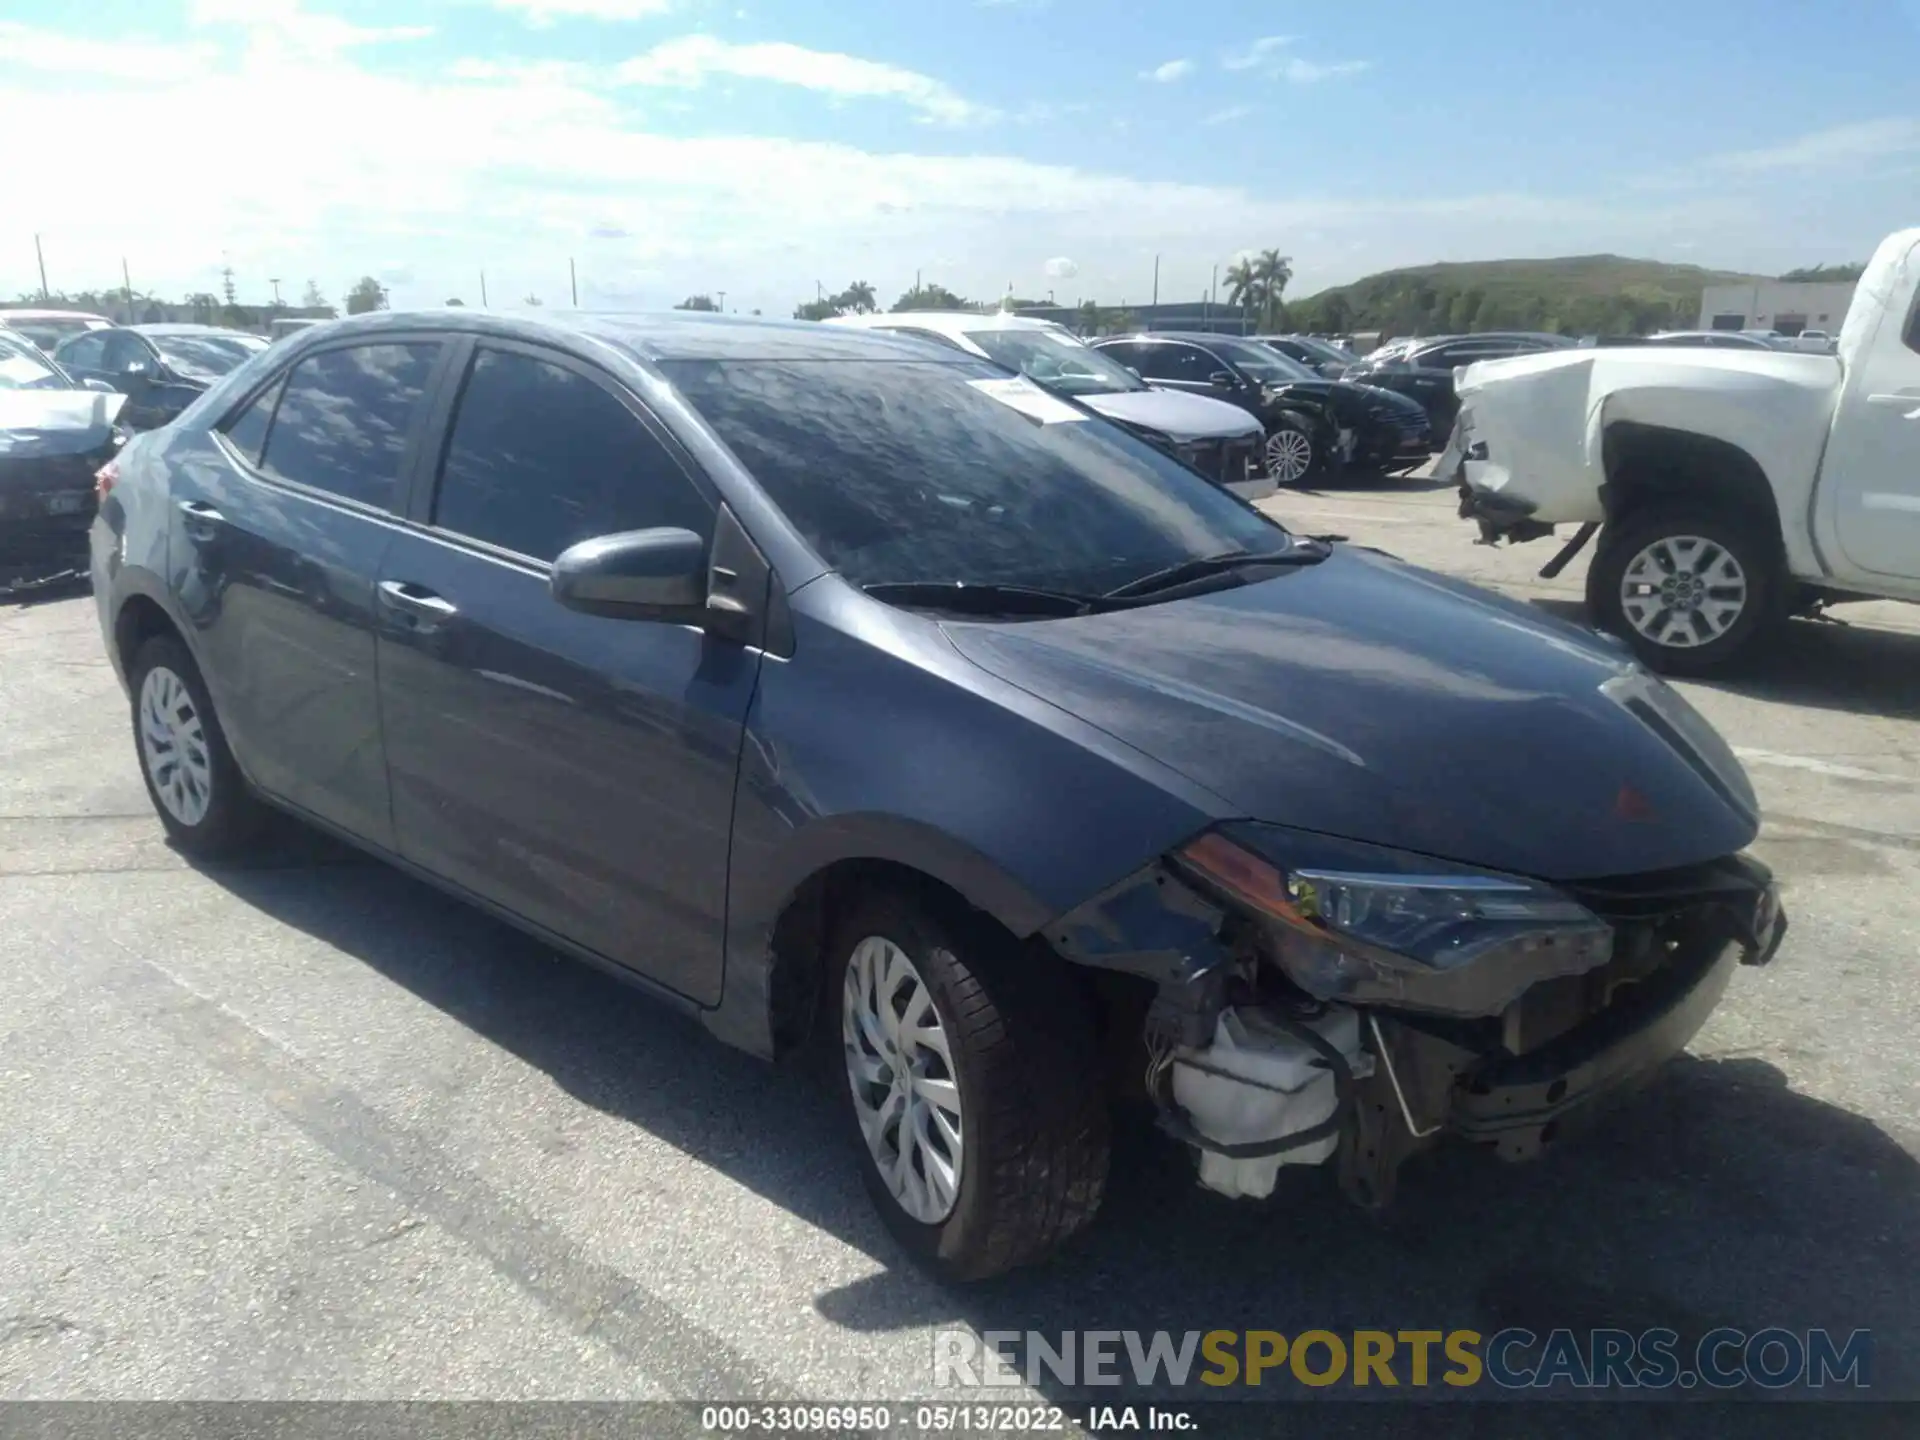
(281, 329)
(1423, 370)
(1219, 440)
(161, 369)
(859, 697)
(1730, 490)
(48, 328)
(54, 435)
(1312, 423)
(1322, 356)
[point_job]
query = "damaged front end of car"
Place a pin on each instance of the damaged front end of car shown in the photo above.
(1324, 1001)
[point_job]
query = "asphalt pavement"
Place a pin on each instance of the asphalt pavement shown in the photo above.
(305, 1129)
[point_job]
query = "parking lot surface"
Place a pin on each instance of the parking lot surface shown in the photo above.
(307, 1129)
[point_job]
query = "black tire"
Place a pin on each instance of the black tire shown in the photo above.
(1750, 544)
(1275, 444)
(1033, 1116)
(233, 815)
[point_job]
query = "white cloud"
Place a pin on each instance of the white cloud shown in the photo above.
(543, 13)
(1259, 53)
(1166, 74)
(1842, 144)
(1061, 268)
(1265, 55)
(1309, 72)
(25, 48)
(282, 24)
(1228, 115)
(691, 60)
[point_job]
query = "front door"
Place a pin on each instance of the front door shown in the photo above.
(279, 522)
(576, 770)
(1870, 478)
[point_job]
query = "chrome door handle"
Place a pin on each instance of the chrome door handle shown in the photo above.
(199, 519)
(417, 601)
(1899, 398)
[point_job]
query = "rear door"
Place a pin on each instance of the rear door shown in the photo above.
(1870, 479)
(573, 769)
(84, 358)
(279, 523)
(1179, 365)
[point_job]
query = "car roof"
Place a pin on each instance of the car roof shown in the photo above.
(183, 328)
(948, 322)
(21, 312)
(1191, 337)
(654, 336)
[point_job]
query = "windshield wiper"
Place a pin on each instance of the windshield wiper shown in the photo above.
(982, 599)
(1301, 552)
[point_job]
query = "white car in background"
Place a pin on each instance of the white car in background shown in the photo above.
(50, 328)
(1221, 441)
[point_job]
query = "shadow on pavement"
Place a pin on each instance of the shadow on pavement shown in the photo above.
(1718, 1197)
(1854, 669)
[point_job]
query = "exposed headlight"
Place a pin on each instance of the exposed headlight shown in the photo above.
(1369, 925)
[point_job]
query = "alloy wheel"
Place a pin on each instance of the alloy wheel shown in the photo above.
(900, 1070)
(173, 746)
(1683, 590)
(1289, 455)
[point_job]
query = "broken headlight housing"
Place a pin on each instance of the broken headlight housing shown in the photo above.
(1368, 925)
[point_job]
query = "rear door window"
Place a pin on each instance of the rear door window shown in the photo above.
(542, 457)
(247, 431)
(84, 353)
(346, 416)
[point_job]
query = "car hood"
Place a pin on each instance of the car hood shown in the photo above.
(55, 422)
(1174, 414)
(1370, 700)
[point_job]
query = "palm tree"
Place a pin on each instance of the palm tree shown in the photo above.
(1274, 270)
(1246, 286)
(859, 298)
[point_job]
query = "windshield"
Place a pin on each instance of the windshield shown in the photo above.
(917, 471)
(206, 357)
(24, 368)
(1326, 350)
(1263, 362)
(1058, 362)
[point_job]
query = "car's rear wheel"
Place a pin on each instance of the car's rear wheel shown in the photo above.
(1291, 452)
(196, 788)
(970, 1072)
(1687, 588)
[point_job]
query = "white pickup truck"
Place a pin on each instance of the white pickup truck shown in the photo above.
(1731, 489)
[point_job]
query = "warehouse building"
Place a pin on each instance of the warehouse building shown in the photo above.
(1788, 306)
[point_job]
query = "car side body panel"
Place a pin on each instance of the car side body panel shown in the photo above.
(1544, 420)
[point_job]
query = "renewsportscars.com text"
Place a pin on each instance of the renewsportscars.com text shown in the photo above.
(1514, 1359)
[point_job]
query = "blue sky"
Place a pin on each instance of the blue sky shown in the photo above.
(758, 146)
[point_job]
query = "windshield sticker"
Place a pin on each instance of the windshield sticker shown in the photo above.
(1030, 400)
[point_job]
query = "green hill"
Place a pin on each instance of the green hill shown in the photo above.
(1576, 294)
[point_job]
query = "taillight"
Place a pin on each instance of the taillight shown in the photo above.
(104, 479)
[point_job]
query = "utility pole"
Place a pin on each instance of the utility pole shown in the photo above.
(1156, 279)
(1213, 289)
(819, 292)
(483, 289)
(40, 255)
(127, 280)
(573, 282)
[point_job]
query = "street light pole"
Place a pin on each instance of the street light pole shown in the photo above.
(573, 282)
(40, 255)
(483, 289)
(723, 301)
(274, 283)
(1156, 279)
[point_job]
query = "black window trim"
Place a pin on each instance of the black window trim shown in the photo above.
(254, 469)
(424, 486)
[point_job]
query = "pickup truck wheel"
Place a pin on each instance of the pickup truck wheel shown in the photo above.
(1687, 589)
(970, 1073)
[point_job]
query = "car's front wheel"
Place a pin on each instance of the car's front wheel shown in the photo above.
(971, 1076)
(196, 787)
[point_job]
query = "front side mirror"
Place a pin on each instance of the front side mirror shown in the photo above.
(93, 382)
(1224, 379)
(658, 574)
